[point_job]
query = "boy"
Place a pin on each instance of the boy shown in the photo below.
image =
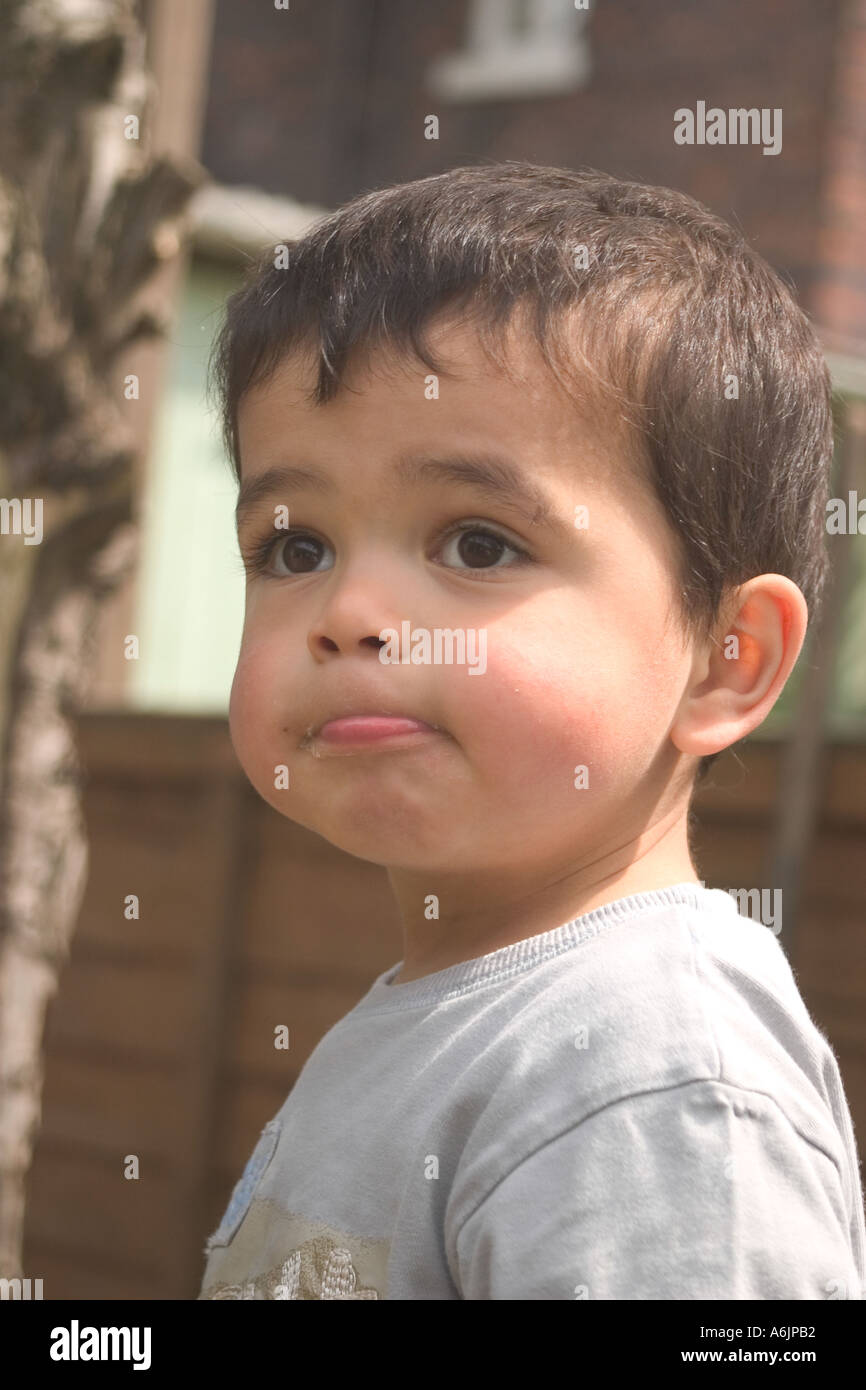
(580, 422)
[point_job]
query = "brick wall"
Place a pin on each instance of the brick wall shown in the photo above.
(321, 102)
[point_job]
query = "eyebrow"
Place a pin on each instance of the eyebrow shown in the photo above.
(495, 477)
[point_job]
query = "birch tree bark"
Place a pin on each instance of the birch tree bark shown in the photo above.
(86, 218)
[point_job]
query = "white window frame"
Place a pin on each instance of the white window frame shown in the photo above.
(502, 61)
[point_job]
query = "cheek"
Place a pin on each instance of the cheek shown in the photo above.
(249, 707)
(536, 708)
(550, 701)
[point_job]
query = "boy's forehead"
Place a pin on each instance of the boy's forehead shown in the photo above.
(390, 397)
(386, 369)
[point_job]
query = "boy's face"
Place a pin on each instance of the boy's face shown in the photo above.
(585, 661)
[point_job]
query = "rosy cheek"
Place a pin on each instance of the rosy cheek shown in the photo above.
(547, 719)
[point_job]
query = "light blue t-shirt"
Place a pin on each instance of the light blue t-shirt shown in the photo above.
(635, 1105)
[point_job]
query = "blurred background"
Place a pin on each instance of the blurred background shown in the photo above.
(159, 1041)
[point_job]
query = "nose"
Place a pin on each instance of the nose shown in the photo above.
(322, 643)
(357, 609)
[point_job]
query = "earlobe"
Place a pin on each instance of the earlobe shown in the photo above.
(743, 668)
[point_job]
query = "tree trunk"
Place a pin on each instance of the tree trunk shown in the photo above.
(86, 218)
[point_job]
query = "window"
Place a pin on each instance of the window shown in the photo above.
(516, 48)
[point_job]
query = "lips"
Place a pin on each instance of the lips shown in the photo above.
(371, 728)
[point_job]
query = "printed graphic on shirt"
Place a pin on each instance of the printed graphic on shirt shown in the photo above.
(246, 1185)
(282, 1255)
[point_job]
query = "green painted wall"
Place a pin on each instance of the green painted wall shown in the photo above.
(191, 588)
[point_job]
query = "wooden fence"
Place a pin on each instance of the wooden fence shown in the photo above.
(160, 1041)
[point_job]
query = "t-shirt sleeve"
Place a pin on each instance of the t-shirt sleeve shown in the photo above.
(703, 1190)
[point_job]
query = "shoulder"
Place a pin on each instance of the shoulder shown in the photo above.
(650, 1006)
(701, 1191)
(662, 997)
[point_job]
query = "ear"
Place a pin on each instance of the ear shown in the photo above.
(740, 672)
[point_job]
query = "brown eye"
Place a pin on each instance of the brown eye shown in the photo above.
(478, 548)
(300, 554)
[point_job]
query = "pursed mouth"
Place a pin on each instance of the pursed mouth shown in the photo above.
(367, 731)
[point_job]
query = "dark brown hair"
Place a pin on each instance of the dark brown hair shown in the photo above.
(640, 298)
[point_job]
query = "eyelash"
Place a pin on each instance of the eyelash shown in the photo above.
(258, 553)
